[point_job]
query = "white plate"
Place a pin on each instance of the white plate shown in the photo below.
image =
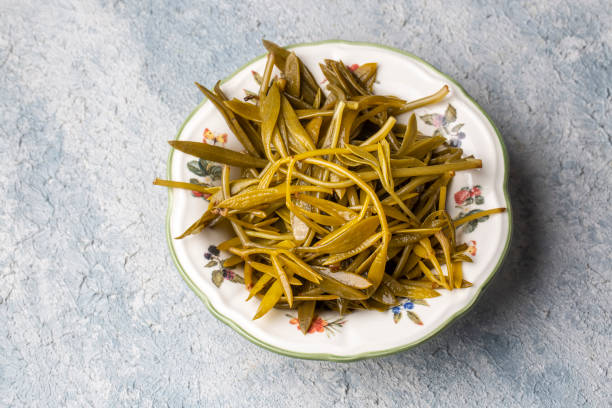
(365, 333)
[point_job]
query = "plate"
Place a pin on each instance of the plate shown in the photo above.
(360, 334)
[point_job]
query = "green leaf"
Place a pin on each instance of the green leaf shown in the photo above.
(215, 172)
(217, 277)
(457, 127)
(208, 168)
(195, 168)
(468, 201)
(470, 226)
(479, 200)
(204, 164)
(338, 322)
(451, 114)
(427, 119)
(396, 317)
(465, 188)
(237, 278)
(421, 302)
(414, 317)
(211, 263)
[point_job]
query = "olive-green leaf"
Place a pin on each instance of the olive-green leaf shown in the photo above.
(427, 119)
(451, 114)
(457, 127)
(421, 302)
(217, 277)
(414, 317)
(236, 278)
(397, 317)
(195, 168)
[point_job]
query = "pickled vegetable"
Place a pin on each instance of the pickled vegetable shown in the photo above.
(339, 206)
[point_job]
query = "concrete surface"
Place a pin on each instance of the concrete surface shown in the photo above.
(92, 310)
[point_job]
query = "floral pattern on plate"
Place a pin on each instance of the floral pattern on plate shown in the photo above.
(445, 125)
(466, 199)
(407, 306)
(220, 273)
(320, 325)
(208, 173)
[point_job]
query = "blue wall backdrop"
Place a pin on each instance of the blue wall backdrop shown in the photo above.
(92, 310)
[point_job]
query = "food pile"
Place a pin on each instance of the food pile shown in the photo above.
(339, 206)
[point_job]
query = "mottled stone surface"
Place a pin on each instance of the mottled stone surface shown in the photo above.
(92, 309)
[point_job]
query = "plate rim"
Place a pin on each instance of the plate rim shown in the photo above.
(369, 354)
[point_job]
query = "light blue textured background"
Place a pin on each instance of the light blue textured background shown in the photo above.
(92, 309)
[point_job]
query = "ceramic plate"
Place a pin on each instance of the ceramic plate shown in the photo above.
(365, 333)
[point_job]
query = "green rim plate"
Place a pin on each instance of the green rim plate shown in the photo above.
(360, 356)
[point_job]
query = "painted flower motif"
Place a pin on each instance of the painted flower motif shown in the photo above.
(407, 307)
(220, 274)
(214, 138)
(319, 325)
(445, 125)
(462, 195)
(208, 172)
(438, 120)
(228, 274)
(472, 248)
(467, 196)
